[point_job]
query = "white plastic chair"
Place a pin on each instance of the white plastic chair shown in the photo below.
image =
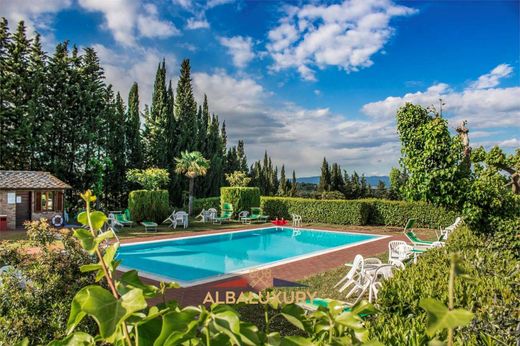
(212, 214)
(113, 223)
(171, 220)
(383, 272)
(398, 250)
(296, 220)
(242, 216)
(181, 218)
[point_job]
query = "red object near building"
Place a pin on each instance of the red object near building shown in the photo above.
(281, 222)
(3, 223)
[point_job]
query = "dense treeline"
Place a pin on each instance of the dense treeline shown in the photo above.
(58, 114)
(336, 183)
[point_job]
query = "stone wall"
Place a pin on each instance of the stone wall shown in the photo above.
(8, 209)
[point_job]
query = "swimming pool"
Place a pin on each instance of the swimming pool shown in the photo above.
(197, 259)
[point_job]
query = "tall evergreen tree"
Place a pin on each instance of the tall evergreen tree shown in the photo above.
(156, 123)
(5, 42)
(356, 185)
(324, 184)
(134, 149)
(15, 112)
(242, 158)
(294, 184)
(336, 179)
(186, 110)
(365, 187)
(282, 188)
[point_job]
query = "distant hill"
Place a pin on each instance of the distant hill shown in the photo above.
(372, 180)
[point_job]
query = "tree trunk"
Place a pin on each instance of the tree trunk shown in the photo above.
(190, 200)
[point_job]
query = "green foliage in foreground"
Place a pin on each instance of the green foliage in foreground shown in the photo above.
(358, 212)
(488, 288)
(52, 277)
(242, 198)
(147, 205)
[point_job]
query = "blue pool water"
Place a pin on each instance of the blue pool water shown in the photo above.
(202, 258)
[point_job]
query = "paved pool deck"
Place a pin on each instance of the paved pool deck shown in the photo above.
(286, 273)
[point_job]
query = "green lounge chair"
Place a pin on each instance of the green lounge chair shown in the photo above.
(226, 215)
(149, 225)
(122, 218)
(316, 303)
(256, 215)
(412, 237)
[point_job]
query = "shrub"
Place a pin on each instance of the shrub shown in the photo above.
(332, 195)
(205, 203)
(242, 198)
(489, 292)
(352, 212)
(396, 213)
(147, 205)
(40, 310)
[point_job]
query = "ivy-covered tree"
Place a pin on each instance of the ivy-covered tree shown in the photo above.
(397, 181)
(431, 156)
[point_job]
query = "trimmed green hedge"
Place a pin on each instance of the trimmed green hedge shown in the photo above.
(242, 198)
(396, 213)
(354, 212)
(147, 205)
(205, 203)
(358, 211)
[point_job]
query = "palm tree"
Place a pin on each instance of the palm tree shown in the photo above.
(191, 164)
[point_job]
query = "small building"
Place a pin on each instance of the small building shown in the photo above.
(30, 195)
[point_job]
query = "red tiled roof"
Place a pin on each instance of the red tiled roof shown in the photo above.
(17, 180)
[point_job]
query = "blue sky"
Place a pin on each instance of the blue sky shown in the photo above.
(310, 79)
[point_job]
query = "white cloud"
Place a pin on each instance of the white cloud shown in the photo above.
(215, 3)
(492, 79)
(126, 19)
(345, 35)
(36, 14)
(194, 24)
(122, 69)
(240, 48)
(183, 3)
(296, 136)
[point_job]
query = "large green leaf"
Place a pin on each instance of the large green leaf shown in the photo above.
(295, 315)
(175, 325)
(104, 308)
(130, 279)
(440, 317)
(86, 239)
(76, 339)
(296, 341)
(97, 218)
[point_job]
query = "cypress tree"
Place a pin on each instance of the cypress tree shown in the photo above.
(186, 110)
(5, 42)
(324, 184)
(336, 179)
(134, 150)
(18, 85)
(282, 188)
(365, 187)
(37, 111)
(293, 184)
(242, 158)
(156, 123)
(356, 185)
